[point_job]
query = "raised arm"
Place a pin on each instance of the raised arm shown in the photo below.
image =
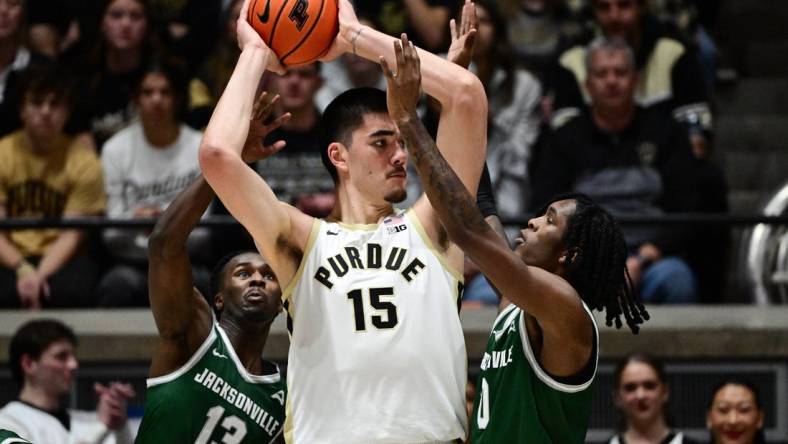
(546, 296)
(277, 228)
(182, 315)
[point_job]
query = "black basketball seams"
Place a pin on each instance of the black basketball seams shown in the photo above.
(308, 33)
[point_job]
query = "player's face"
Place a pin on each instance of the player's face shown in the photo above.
(618, 18)
(541, 243)
(54, 370)
(734, 418)
(251, 290)
(377, 160)
(124, 24)
(44, 116)
(611, 80)
(10, 17)
(640, 394)
(156, 101)
(297, 88)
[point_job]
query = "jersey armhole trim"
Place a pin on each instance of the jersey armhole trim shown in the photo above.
(248, 377)
(151, 382)
(310, 243)
(13, 440)
(542, 375)
(428, 242)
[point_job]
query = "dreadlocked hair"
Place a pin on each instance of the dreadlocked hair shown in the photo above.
(599, 272)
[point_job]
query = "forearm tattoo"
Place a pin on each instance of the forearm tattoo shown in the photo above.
(447, 194)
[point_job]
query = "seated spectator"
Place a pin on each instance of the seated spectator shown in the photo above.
(297, 171)
(347, 72)
(14, 58)
(42, 357)
(187, 27)
(423, 20)
(514, 96)
(146, 165)
(540, 29)
(46, 174)
(669, 76)
(735, 414)
(631, 161)
(641, 395)
(113, 66)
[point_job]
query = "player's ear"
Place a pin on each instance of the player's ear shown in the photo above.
(27, 363)
(218, 301)
(570, 258)
(337, 153)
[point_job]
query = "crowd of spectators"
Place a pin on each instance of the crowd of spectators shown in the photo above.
(102, 103)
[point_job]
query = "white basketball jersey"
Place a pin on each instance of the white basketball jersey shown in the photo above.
(377, 353)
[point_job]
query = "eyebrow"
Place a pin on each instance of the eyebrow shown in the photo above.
(382, 133)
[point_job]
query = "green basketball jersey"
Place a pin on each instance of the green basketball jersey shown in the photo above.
(9, 437)
(517, 401)
(213, 399)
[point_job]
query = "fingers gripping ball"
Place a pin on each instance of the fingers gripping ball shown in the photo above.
(298, 31)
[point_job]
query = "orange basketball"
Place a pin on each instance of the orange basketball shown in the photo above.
(298, 31)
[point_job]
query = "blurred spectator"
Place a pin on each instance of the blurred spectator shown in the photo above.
(296, 174)
(46, 174)
(215, 72)
(114, 64)
(514, 96)
(423, 20)
(42, 357)
(187, 27)
(669, 78)
(347, 72)
(540, 29)
(641, 395)
(632, 162)
(146, 165)
(735, 414)
(56, 26)
(14, 58)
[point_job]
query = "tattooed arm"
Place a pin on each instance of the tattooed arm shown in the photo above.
(546, 296)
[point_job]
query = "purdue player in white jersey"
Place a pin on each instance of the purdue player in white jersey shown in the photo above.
(377, 352)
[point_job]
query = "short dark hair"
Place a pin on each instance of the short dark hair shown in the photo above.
(599, 273)
(217, 274)
(344, 115)
(32, 339)
(42, 79)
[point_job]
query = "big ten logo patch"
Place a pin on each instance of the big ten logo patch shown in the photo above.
(395, 224)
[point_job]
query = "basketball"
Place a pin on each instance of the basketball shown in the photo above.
(298, 31)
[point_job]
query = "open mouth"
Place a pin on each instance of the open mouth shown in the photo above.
(254, 296)
(733, 436)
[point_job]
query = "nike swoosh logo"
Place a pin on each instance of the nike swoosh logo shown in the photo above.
(218, 355)
(264, 16)
(332, 233)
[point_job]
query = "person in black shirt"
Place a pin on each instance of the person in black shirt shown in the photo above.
(632, 162)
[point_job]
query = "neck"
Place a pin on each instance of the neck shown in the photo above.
(8, 48)
(121, 61)
(302, 119)
(648, 433)
(161, 134)
(353, 208)
(39, 398)
(248, 339)
(613, 120)
(42, 147)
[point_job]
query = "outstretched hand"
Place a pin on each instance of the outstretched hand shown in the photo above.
(463, 37)
(255, 148)
(248, 37)
(404, 86)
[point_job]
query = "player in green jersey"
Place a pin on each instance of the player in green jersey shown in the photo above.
(9, 437)
(208, 382)
(536, 380)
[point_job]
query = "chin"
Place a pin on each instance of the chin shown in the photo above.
(396, 196)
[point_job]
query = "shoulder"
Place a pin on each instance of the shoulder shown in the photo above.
(573, 58)
(190, 135)
(570, 123)
(119, 142)
(10, 142)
